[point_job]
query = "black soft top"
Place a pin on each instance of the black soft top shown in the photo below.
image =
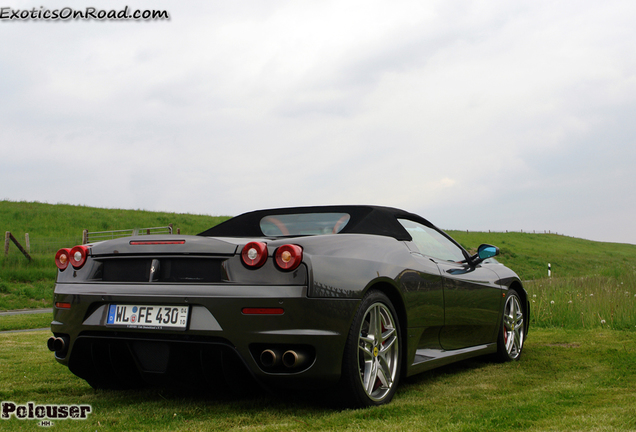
(365, 219)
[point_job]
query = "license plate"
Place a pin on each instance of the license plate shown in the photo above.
(148, 317)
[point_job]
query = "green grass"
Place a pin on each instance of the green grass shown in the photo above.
(584, 302)
(593, 283)
(63, 221)
(51, 227)
(577, 371)
(581, 380)
(529, 254)
(25, 321)
(25, 295)
(29, 284)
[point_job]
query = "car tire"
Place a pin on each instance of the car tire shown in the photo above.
(372, 358)
(512, 330)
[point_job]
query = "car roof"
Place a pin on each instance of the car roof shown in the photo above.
(365, 219)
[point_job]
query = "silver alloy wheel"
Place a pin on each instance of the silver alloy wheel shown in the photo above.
(513, 331)
(378, 351)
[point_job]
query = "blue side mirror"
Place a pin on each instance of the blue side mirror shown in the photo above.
(486, 251)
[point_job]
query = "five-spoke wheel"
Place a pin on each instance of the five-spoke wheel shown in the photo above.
(512, 332)
(371, 366)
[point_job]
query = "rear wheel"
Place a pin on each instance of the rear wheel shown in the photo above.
(512, 330)
(371, 363)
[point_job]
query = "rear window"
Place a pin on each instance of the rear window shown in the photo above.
(304, 224)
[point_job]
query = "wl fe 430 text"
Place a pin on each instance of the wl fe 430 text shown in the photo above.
(310, 297)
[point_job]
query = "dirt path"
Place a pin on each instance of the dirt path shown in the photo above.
(25, 330)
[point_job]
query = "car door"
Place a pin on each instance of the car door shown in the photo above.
(472, 298)
(472, 302)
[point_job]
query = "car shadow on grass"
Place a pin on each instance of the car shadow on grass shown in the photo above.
(441, 373)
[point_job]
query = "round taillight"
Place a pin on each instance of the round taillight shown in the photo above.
(62, 258)
(78, 256)
(288, 257)
(254, 254)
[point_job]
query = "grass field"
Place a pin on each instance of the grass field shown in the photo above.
(29, 284)
(582, 380)
(578, 370)
(529, 254)
(25, 321)
(47, 223)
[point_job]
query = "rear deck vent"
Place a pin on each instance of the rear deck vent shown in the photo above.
(181, 270)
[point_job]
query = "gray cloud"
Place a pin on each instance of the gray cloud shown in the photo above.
(476, 115)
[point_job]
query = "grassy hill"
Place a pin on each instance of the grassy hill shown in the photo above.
(529, 254)
(52, 226)
(61, 221)
(592, 281)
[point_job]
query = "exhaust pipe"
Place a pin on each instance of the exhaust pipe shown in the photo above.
(56, 344)
(293, 359)
(270, 358)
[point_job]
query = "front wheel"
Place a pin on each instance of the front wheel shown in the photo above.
(512, 330)
(371, 363)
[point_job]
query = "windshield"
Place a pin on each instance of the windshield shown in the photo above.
(304, 224)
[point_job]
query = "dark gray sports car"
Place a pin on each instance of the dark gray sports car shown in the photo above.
(306, 297)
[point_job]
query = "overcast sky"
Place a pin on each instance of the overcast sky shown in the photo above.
(477, 115)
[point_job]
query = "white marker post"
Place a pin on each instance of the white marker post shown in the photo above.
(549, 270)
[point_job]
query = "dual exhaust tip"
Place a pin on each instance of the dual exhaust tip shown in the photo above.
(291, 359)
(56, 344)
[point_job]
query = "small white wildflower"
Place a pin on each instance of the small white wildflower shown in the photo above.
(591, 295)
(602, 321)
(570, 301)
(552, 302)
(534, 296)
(533, 301)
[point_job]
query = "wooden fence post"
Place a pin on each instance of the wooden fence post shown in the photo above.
(27, 242)
(85, 236)
(8, 236)
(170, 227)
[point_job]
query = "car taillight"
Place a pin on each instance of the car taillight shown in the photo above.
(288, 257)
(78, 256)
(62, 258)
(254, 254)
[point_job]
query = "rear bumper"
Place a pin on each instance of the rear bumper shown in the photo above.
(314, 328)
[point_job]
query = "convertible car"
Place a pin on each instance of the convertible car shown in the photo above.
(354, 297)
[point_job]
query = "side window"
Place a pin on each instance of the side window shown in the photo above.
(431, 242)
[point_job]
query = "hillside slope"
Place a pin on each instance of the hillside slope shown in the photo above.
(61, 225)
(529, 254)
(63, 220)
